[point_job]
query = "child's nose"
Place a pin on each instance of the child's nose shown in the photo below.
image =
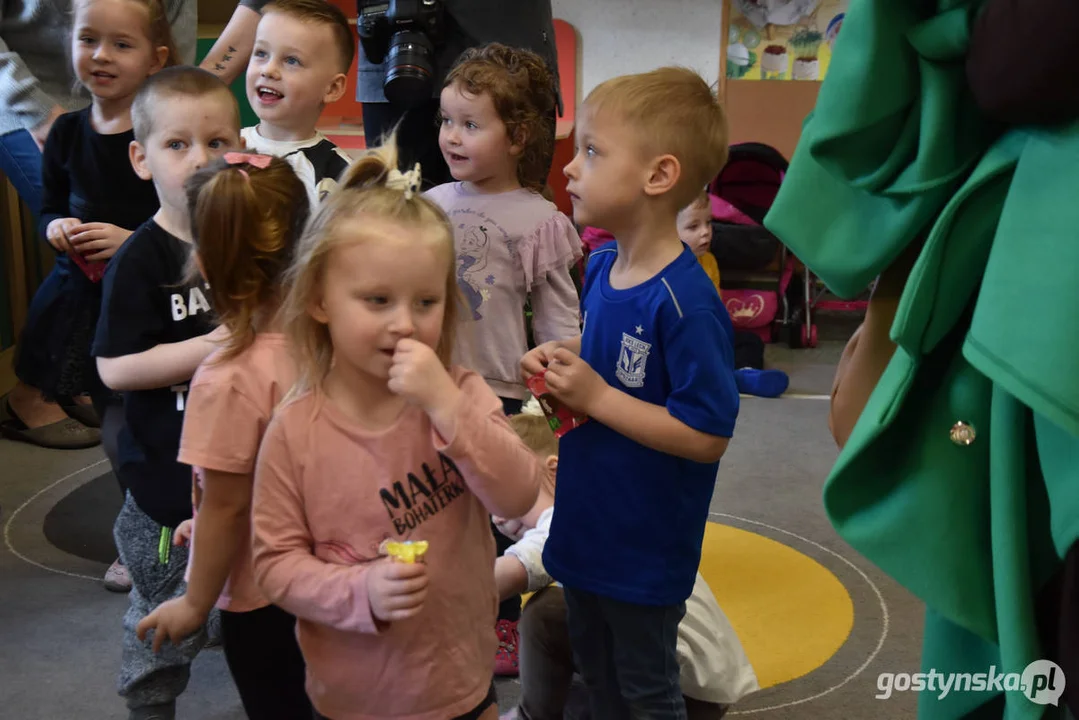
(101, 53)
(570, 171)
(402, 324)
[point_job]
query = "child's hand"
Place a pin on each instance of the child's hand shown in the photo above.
(538, 358)
(174, 619)
(420, 377)
(97, 241)
(513, 528)
(573, 381)
(182, 535)
(58, 233)
(396, 590)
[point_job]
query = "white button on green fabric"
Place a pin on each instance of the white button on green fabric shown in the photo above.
(963, 433)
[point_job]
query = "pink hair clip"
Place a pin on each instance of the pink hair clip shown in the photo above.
(237, 158)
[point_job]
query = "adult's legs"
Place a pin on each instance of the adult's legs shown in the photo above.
(20, 161)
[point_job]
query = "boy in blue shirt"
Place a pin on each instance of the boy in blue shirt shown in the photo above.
(654, 370)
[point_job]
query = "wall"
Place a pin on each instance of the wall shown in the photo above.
(628, 36)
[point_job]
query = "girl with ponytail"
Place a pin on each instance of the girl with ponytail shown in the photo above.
(375, 480)
(247, 215)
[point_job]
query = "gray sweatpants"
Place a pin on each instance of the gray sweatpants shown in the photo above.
(156, 568)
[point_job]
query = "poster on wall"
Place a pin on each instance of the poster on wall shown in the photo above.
(782, 39)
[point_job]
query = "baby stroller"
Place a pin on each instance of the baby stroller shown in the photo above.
(756, 268)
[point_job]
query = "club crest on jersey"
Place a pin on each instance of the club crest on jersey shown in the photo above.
(632, 359)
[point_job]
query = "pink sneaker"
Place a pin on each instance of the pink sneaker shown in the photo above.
(117, 579)
(506, 655)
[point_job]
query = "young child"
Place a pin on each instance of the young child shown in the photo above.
(654, 371)
(385, 444)
(715, 671)
(512, 244)
(154, 330)
(247, 214)
(303, 50)
(695, 230)
(92, 200)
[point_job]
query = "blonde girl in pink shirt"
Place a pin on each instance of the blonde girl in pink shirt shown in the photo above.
(384, 442)
(247, 214)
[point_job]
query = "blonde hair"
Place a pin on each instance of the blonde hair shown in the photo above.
(246, 221)
(367, 191)
(700, 202)
(522, 90)
(160, 29)
(673, 111)
(181, 81)
(321, 12)
(536, 433)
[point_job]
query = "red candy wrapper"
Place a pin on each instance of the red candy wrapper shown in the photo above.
(559, 417)
(93, 269)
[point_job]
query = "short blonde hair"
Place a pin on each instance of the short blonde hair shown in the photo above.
(673, 111)
(363, 194)
(536, 433)
(700, 202)
(184, 81)
(321, 12)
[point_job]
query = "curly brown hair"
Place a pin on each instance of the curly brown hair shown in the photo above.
(523, 91)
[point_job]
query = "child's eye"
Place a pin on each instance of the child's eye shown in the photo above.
(177, 145)
(429, 302)
(123, 45)
(590, 151)
(377, 300)
(441, 119)
(86, 40)
(259, 53)
(293, 60)
(471, 125)
(217, 143)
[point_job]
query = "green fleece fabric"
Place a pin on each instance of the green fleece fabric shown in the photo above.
(897, 152)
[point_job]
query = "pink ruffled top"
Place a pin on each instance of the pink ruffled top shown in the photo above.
(510, 246)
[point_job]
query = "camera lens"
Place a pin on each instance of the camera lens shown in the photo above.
(410, 69)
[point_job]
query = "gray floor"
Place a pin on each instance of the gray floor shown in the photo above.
(59, 646)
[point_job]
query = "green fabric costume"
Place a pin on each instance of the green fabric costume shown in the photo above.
(897, 152)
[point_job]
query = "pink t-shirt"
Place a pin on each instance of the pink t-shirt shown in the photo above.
(328, 492)
(510, 246)
(229, 407)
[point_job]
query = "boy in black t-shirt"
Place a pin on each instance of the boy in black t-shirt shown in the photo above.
(154, 330)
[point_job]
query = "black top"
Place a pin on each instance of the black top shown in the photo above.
(87, 175)
(146, 304)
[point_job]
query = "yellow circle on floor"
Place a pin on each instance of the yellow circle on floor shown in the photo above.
(790, 612)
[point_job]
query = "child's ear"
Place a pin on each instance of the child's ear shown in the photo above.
(552, 463)
(336, 89)
(161, 56)
(137, 154)
(518, 141)
(317, 311)
(663, 175)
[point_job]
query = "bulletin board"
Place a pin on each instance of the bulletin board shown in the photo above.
(781, 39)
(772, 110)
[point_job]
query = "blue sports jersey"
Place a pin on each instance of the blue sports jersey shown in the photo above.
(629, 520)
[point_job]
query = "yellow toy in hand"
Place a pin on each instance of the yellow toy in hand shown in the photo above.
(409, 551)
